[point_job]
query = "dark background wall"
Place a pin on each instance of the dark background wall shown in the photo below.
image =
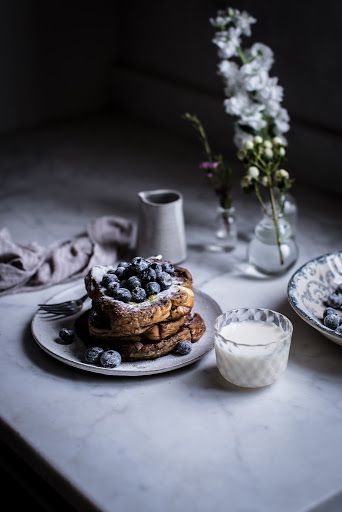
(55, 60)
(154, 60)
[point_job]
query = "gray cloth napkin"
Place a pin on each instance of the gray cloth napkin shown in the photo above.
(30, 267)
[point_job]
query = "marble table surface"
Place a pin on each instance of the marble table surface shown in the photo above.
(184, 440)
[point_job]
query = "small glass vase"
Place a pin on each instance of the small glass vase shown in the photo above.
(264, 253)
(225, 230)
(290, 209)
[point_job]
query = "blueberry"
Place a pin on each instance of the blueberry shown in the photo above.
(332, 321)
(165, 281)
(123, 295)
(112, 288)
(109, 278)
(92, 355)
(67, 335)
(110, 359)
(168, 267)
(152, 288)
(183, 348)
(138, 295)
(335, 300)
(123, 264)
(120, 272)
(329, 311)
(339, 330)
(148, 275)
(111, 271)
(139, 264)
(133, 282)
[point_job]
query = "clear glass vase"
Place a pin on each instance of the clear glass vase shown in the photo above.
(225, 230)
(265, 254)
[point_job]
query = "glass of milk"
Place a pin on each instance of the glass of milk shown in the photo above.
(252, 346)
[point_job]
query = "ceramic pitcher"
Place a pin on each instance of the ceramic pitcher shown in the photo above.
(161, 225)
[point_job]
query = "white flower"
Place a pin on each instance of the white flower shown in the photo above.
(244, 21)
(227, 41)
(231, 74)
(268, 153)
(246, 181)
(253, 118)
(282, 174)
(282, 151)
(253, 82)
(271, 96)
(249, 144)
(241, 137)
(281, 121)
(262, 54)
(277, 141)
(237, 104)
(258, 139)
(268, 144)
(253, 172)
(264, 181)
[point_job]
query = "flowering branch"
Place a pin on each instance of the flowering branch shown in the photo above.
(217, 173)
(253, 98)
(262, 159)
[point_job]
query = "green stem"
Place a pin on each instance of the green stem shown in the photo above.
(259, 198)
(276, 224)
(242, 56)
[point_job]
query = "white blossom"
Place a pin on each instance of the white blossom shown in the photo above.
(262, 54)
(241, 137)
(281, 121)
(253, 81)
(244, 22)
(253, 172)
(282, 174)
(228, 41)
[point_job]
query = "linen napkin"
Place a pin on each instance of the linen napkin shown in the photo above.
(30, 267)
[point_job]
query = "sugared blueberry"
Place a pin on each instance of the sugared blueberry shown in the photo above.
(93, 354)
(152, 288)
(139, 264)
(133, 282)
(165, 281)
(148, 275)
(138, 295)
(67, 335)
(168, 267)
(123, 294)
(112, 288)
(110, 359)
(109, 278)
(332, 321)
(120, 272)
(183, 348)
(335, 300)
(339, 330)
(329, 311)
(123, 264)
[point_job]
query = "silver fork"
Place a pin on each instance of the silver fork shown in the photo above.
(63, 309)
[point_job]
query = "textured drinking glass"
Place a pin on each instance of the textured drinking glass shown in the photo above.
(250, 365)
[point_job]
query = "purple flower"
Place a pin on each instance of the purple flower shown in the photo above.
(209, 175)
(205, 166)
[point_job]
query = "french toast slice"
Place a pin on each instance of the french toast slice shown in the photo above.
(136, 351)
(129, 319)
(155, 332)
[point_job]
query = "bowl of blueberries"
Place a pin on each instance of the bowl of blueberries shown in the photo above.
(315, 293)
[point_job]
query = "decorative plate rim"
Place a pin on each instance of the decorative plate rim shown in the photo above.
(293, 298)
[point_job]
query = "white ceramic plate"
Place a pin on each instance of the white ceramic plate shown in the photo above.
(311, 285)
(46, 332)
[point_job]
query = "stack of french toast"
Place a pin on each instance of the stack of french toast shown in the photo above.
(142, 308)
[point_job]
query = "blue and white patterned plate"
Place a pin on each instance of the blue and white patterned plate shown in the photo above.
(310, 286)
